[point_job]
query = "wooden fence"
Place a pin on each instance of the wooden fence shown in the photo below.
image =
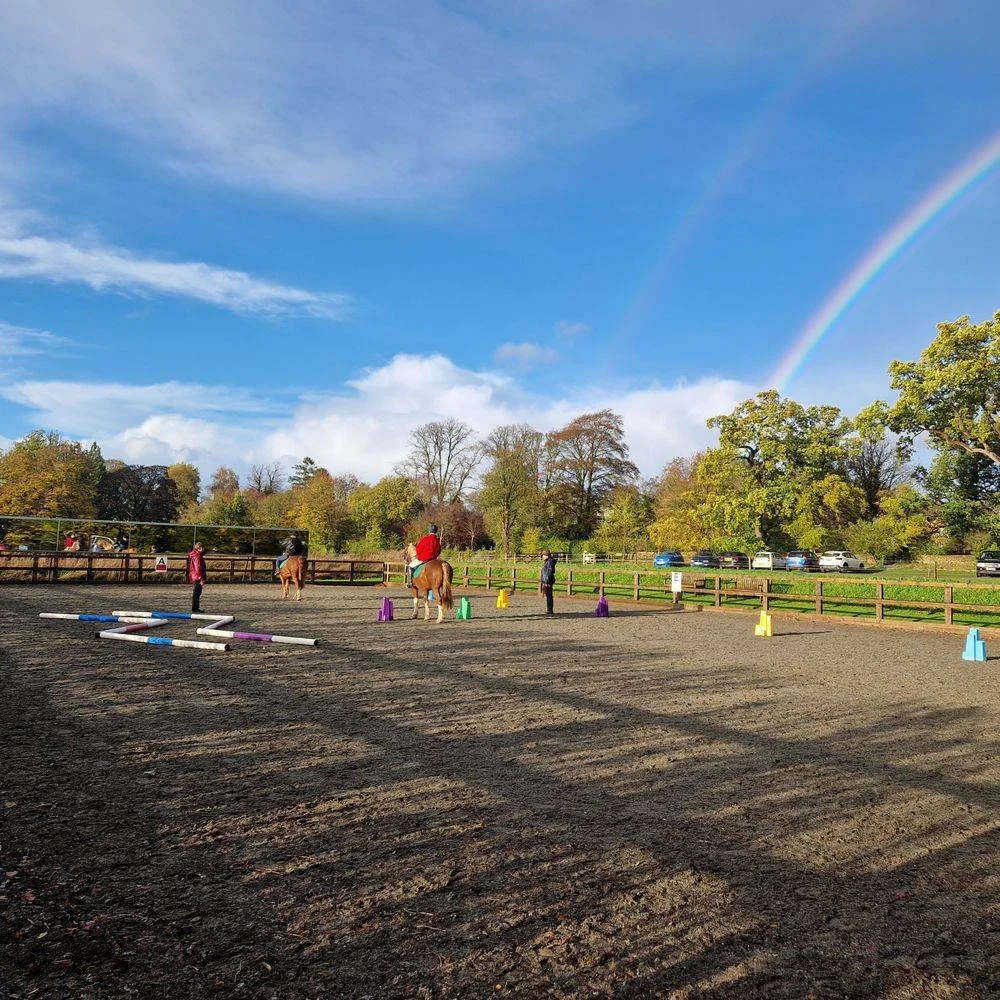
(747, 592)
(126, 567)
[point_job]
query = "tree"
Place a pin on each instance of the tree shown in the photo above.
(442, 458)
(225, 509)
(587, 460)
(265, 479)
(952, 394)
(901, 526)
(625, 521)
(383, 510)
(876, 469)
(45, 475)
(965, 491)
(138, 493)
(303, 472)
(321, 506)
(225, 482)
(508, 496)
(784, 447)
(187, 479)
(678, 496)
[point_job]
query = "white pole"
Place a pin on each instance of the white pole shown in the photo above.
(161, 640)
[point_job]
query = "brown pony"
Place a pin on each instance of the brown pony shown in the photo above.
(434, 577)
(293, 570)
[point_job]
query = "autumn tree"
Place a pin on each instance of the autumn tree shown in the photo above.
(225, 482)
(302, 472)
(45, 475)
(441, 461)
(509, 494)
(678, 496)
(383, 510)
(625, 520)
(187, 479)
(586, 460)
(321, 506)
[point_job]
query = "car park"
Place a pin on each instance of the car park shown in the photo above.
(669, 558)
(769, 560)
(804, 559)
(734, 560)
(988, 563)
(705, 559)
(839, 560)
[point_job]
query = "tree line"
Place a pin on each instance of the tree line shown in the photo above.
(782, 475)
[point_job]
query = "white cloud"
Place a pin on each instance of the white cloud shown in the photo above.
(398, 101)
(364, 427)
(524, 356)
(24, 255)
(571, 328)
(21, 341)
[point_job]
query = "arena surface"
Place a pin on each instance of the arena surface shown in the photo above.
(652, 805)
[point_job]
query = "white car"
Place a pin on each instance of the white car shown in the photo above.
(769, 560)
(840, 560)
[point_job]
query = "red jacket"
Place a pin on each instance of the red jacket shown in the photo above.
(197, 571)
(428, 548)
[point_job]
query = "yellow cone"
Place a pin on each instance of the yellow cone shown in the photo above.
(502, 601)
(764, 628)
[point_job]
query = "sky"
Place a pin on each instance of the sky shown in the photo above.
(246, 233)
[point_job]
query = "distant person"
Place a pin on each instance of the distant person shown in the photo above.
(97, 546)
(547, 579)
(72, 543)
(197, 574)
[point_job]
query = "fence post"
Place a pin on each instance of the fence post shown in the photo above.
(465, 573)
(635, 588)
(819, 597)
(34, 568)
(513, 578)
(765, 595)
(948, 609)
(312, 578)
(350, 573)
(600, 581)
(232, 570)
(718, 591)
(90, 568)
(879, 598)
(125, 562)
(489, 577)
(569, 582)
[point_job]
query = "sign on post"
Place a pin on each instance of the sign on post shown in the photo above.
(677, 583)
(161, 564)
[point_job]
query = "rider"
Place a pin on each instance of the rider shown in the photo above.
(429, 547)
(292, 546)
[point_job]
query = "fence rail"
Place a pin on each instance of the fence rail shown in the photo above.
(127, 567)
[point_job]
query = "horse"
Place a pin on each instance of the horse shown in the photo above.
(435, 576)
(293, 570)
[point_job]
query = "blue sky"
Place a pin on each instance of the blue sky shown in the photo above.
(237, 237)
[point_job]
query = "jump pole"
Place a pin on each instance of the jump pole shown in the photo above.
(213, 629)
(183, 616)
(116, 617)
(162, 640)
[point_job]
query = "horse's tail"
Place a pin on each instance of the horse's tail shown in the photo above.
(299, 571)
(446, 599)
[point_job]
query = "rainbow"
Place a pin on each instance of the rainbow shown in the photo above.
(889, 244)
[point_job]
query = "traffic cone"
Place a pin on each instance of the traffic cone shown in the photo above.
(602, 608)
(975, 647)
(764, 628)
(502, 601)
(464, 612)
(385, 610)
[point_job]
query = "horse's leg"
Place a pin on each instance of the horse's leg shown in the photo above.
(440, 617)
(427, 605)
(416, 603)
(284, 588)
(298, 589)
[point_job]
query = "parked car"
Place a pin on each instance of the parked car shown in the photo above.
(769, 560)
(804, 559)
(840, 560)
(988, 564)
(705, 559)
(734, 560)
(669, 558)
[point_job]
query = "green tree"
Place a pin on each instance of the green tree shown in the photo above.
(951, 394)
(509, 495)
(303, 472)
(187, 479)
(586, 461)
(383, 510)
(625, 521)
(138, 493)
(901, 528)
(784, 447)
(965, 491)
(321, 506)
(45, 475)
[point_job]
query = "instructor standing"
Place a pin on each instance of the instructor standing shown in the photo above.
(547, 579)
(197, 574)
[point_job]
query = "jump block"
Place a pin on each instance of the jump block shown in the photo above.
(602, 610)
(975, 647)
(764, 628)
(464, 612)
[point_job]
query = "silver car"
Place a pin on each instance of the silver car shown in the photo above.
(769, 560)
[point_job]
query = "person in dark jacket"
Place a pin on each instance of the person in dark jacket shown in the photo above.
(197, 574)
(547, 579)
(292, 546)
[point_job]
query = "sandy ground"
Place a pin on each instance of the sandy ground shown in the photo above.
(652, 805)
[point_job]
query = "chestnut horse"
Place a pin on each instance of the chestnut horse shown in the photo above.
(293, 570)
(435, 578)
